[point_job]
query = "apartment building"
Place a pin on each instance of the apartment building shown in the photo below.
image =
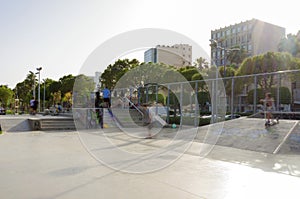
(178, 55)
(254, 36)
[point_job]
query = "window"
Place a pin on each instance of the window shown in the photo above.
(218, 54)
(249, 47)
(243, 38)
(238, 29)
(228, 32)
(214, 54)
(249, 26)
(249, 37)
(218, 34)
(233, 41)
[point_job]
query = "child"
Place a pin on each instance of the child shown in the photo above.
(269, 106)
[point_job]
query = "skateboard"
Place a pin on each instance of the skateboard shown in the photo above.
(272, 123)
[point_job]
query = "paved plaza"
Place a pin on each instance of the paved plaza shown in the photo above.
(64, 164)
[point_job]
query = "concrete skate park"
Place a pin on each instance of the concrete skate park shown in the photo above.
(243, 160)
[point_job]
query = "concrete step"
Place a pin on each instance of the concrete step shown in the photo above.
(57, 124)
(128, 117)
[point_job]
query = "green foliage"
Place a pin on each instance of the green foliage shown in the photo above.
(290, 44)
(201, 63)
(230, 71)
(203, 97)
(66, 83)
(201, 84)
(188, 72)
(237, 56)
(114, 72)
(6, 95)
(83, 88)
(152, 98)
(189, 121)
(266, 63)
(284, 94)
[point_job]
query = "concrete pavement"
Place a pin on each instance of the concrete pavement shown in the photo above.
(44, 165)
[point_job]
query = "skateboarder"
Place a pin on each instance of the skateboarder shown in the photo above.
(269, 107)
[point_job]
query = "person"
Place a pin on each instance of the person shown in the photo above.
(99, 110)
(148, 119)
(269, 106)
(33, 106)
(59, 107)
(106, 96)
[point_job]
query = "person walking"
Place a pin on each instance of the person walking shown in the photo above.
(106, 96)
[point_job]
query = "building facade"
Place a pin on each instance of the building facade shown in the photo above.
(254, 36)
(178, 55)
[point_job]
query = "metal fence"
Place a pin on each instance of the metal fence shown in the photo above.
(218, 97)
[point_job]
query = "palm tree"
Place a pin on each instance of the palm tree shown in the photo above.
(237, 56)
(201, 63)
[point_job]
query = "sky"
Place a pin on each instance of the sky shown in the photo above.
(59, 35)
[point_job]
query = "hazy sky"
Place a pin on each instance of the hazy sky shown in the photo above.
(60, 34)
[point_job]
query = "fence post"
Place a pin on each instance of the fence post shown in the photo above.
(278, 91)
(214, 100)
(196, 119)
(147, 95)
(156, 99)
(180, 103)
(168, 105)
(156, 94)
(232, 97)
(255, 94)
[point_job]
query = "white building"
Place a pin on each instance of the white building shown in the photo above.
(178, 55)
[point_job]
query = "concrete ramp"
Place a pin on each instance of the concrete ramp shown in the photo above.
(14, 123)
(251, 134)
(291, 144)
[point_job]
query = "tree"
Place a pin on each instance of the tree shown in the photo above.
(6, 95)
(201, 63)
(290, 44)
(230, 71)
(266, 63)
(66, 83)
(284, 95)
(188, 72)
(114, 72)
(236, 56)
(83, 87)
(24, 89)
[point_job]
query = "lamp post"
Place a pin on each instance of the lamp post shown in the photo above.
(33, 90)
(39, 92)
(224, 51)
(44, 95)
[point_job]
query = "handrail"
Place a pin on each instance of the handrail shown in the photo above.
(132, 104)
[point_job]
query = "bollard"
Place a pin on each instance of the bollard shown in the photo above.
(0, 129)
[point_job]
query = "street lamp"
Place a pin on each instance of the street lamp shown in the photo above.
(33, 89)
(44, 95)
(225, 50)
(39, 92)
